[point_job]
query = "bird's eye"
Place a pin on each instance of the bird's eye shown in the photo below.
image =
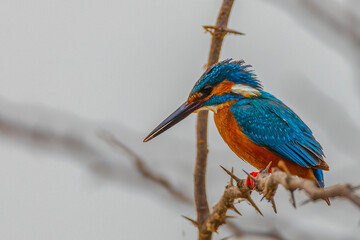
(206, 90)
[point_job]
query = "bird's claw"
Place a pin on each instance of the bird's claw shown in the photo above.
(250, 179)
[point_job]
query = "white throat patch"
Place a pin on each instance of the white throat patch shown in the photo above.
(245, 90)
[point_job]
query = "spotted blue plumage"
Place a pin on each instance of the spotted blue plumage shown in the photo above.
(271, 124)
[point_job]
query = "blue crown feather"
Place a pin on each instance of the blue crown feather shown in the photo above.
(231, 70)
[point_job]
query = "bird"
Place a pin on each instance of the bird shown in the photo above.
(258, 127)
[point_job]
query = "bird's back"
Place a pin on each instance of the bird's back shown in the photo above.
(262, 129)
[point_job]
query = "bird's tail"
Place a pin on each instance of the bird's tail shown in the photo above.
(318, 174)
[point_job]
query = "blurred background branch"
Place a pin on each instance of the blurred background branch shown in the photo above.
(141, 166)
(334, 23)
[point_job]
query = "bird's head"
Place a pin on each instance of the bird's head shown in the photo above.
(220, 84)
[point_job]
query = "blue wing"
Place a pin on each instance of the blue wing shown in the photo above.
(271, 124)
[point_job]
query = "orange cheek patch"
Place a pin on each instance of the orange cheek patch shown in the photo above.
(224, 87)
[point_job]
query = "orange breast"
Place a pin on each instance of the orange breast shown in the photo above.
(249, 151)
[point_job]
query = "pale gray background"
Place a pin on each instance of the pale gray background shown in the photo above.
(70, 68)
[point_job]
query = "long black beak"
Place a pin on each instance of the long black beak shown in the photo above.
(182, 112)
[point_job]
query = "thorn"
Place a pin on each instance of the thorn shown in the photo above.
(191, 220)
(273, 204)
(265, 194)
(226, 30)
(230, 216)
(327, 200)
(234, 31)
(268, 167)
(231, 174)
(306, 202)
(355, 188)
(254, 205)
(251, 177)
(231, 178)
(235, 210)
(292, 198)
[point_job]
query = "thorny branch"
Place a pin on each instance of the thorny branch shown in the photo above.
(202, 208)
(267, 183)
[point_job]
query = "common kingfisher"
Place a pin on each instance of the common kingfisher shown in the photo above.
(258, 127)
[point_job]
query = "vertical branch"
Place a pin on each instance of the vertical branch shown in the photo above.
(202, 207)
(220, 30)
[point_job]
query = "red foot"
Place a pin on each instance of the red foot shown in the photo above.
(250, 182)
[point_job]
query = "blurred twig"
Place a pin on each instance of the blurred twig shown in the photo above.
(337, 20)
(141, 167)
(340, 20)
